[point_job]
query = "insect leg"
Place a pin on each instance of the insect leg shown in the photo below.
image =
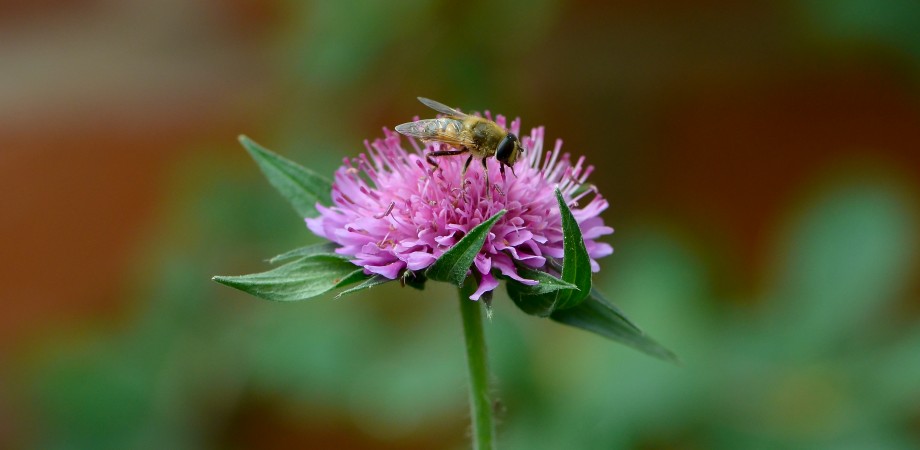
(449, 152)
(485, 172)
(444, 153)
(501, 168)
(466, 165)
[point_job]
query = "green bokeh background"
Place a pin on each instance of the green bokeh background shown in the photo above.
(763, 170)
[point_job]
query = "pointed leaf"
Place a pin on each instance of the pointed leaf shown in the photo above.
(533, 299)
(455, 262)
(298, 280)
(574, 284)
(300, 186)
(576, 265)
(326, 248)
(352, 278)
(375, 280)
(599, 316)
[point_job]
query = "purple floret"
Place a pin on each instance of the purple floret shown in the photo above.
(393, 212)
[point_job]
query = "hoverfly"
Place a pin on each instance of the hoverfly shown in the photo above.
(480, 137)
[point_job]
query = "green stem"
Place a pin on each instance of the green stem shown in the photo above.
(477, 363)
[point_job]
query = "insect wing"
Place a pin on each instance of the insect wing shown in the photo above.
(444, 130)
(441, 108)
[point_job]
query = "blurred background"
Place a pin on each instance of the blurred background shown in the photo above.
(762, 162)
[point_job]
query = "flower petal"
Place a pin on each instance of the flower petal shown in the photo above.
(483, 264)
(503, 263)
(390, 271)
(419, 260)
(487, 284)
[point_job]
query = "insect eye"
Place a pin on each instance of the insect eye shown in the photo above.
(505, 148)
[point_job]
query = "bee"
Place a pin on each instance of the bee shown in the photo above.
(479, 137)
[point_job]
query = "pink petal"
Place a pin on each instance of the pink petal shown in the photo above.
(487, 284)
(483, 264)
(596, 232)
(390, 271)
(506, 267)
(598, 249)
(419, 260)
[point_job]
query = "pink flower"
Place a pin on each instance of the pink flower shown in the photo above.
(393, 212)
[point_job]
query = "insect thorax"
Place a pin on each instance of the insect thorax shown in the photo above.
(486, 135)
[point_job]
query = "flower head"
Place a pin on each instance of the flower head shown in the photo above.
(394, 212)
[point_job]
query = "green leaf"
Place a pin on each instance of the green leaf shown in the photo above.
(576, 265)
(298, 280)
(326, 248)
(533, 299)
(597, 315)
(574, 284)
(300, 186)
(352, 278)
(455, 262)
(375, 280)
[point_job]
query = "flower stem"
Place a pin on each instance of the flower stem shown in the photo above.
(477, 364)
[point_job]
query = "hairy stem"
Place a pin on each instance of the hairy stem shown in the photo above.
(477, 364)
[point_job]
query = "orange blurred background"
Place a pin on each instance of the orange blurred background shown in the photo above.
(717, 124)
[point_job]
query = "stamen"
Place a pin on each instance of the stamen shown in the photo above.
(383, 241)
(584, 176)
(587, 191)
(386, 213)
